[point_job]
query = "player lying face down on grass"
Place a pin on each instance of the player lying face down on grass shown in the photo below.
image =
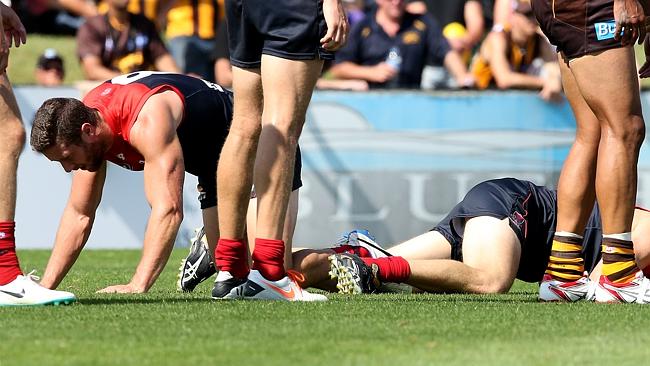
(503, 229)
(162, 123)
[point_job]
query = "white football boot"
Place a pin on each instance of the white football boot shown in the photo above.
(635, 291)
(25, 291)
(363, 238)
(284, 289)
(555, 290)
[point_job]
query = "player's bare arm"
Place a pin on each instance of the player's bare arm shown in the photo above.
(93, 69)
(76, 224)
(505, 78)
(337, 25)
(154, 136)
(166, 63)
(630, 19)
(456, 66)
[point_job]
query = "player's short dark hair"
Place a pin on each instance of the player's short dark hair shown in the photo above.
(59, 120)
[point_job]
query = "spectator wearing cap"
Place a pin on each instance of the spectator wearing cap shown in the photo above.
(516, 55)
(390, 47)
(119, 42)
(49, 69)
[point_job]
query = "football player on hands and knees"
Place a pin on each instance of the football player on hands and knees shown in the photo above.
(15, 288)
(163, 123)
(502, 230)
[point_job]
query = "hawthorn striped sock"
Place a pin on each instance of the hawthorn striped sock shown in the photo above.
(619, 265)
(566, 263)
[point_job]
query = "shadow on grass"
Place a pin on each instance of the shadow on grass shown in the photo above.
(127, 301)
(511, 297)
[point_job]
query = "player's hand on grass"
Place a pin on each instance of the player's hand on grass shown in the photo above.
(630, 19)
(122, 289)
(337, 25)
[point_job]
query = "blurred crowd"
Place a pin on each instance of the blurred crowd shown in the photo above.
(403, 44)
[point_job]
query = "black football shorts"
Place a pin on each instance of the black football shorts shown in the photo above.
(289, 29)
(577, 27)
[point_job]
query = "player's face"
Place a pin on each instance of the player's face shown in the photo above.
(392, 8)
(525, 25)
(84, 156)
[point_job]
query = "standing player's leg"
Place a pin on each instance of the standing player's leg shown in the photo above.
(622, 132)
(15, 289)
(12, 140)
(199, 263)
(290, 220)
(234, 182)
(576, 192)
(285, 105)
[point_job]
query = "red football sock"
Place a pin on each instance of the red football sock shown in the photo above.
(268, 258)
(232, 255)
(9, 267)
(391, 269)
(351, 249)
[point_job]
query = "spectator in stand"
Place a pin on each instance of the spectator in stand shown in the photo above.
(54, 16)
(517, 56)
(355, 11)
(191, 32)
(461, 21)
(390, 47)
(119, 42)
(488, 13)
(149, 8)
(502, 11)
(49, 69)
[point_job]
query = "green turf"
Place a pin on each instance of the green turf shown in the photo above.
(22, 60)
(164, 327)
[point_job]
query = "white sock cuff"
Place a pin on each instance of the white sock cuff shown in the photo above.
(567, 234)
(620, 236)
(223, 276)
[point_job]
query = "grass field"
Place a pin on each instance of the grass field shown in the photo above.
(22, 60)
(164, 327)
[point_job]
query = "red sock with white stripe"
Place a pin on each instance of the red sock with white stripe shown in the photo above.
(232, 255)
(391, 269)
(9, 266)
(268, 258)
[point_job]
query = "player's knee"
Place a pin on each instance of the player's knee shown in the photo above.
(631, 132)
(246, 131)
(306, 259)
(288, 127)
(493, 285)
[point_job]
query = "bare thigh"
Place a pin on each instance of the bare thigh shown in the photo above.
(490, 245)
(430, 245)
